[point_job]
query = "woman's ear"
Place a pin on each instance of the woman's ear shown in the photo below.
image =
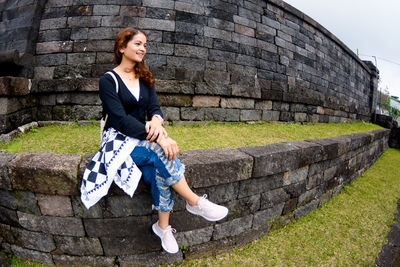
(122, 50)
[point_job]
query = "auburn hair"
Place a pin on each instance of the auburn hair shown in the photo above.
(140, 69)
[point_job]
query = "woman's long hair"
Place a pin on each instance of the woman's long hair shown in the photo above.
(140, 68)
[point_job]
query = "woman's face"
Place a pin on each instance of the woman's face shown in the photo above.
(136, 48)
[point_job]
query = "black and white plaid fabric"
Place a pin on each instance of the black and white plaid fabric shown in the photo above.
(111, 163)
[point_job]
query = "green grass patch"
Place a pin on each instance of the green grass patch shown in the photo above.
(349, 230)
(84, 139)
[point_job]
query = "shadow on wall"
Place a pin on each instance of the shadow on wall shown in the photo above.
(213, 60)
(43, 219)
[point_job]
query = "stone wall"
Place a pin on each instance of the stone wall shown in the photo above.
(265, 187)
(213, 60)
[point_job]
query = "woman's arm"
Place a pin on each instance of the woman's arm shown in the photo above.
(117, 117)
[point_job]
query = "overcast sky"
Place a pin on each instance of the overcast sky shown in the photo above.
(372, 27)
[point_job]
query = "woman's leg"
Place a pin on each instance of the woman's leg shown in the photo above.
(183, 189)
(163, 219)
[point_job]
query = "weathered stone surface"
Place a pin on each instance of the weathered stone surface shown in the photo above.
(250, 115)
(220, 193)
(57, 176)
(122, 206)
(78, 261)
(7, 200)
(5, 158)
(55, 205)
(8, 217)
(237, 103)
(255, 186)
(184, 221)
(12, 86)
(244, 91)
(54, 225)
(150, 259)
(175, 100)
(81, 246)
(206, 101)
(273, 198)
(304, 210)
(27, 254)
(273, 158)
(219, 114)
(264, 216)
(330, 147)
(232, 228)
(33, 240)
(194, 237)
(216, 247)
(387, 256)
(216, 166)
(80, 210)
(117, 227)
(243, 206)
(295, 176)
(143, 242)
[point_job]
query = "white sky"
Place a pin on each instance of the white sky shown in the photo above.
(371, 26)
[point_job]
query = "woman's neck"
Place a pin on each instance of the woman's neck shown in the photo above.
(126, 66)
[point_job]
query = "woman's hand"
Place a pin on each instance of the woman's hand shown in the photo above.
(169, 146)
(154, 129)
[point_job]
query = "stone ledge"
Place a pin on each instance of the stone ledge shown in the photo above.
(14, 86)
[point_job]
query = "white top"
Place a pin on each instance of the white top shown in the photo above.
(135, 92)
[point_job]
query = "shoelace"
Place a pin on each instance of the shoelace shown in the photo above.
(205, 197)
(169, 230)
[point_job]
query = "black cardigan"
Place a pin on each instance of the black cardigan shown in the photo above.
(125, 113)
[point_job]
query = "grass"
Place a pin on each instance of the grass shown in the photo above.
(84, 139)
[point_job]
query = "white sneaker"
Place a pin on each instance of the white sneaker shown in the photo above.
(208, 210)
(168, 241)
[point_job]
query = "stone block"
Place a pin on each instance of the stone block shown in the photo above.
(194, 237)
(75, 261)
(270, 115)
(217, 246)
(51, 59)
(122, 206)
(53, 23)
(217, 33)
(175, 100)
(237, 103)
(243, 206)
(171, 113)
(273, 198)
(192, 114)
(310, 152)
(232, 228)
(57, 176)
(184, 221)
(250, 115)
(221, 24)
(108, 10)
(5, 158)
(119, 21)
(54, 47)
(26, 202)
(117, 227)
(220, 114)
(7, 200)
(206, 101)
(93, 46)
(304, 210)
(81, 246)
(54, 225)
(216, 166)
(44, 73)
(273, 158)
(143, 242)
(80, 210)
(330, 147)
(189, 8)
(263, 105)
(310, 195)
(295, 176)
(27, 254)
(9, 217)
(81, 58)
(245, 91)
(150, 259)
(14, 86)
(264, 216)
(32, 240)
(184, 63)
(256, 186)
(244, 30)
(212, 88)
(191, 51)
(156, 24)
(55, 205)
(84, 21)
(220, 193)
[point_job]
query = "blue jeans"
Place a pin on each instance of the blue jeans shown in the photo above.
(159, 172)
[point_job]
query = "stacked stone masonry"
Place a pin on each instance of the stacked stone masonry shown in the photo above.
(213, 60)
(265, 187)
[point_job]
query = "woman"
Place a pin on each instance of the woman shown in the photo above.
(155, 153)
